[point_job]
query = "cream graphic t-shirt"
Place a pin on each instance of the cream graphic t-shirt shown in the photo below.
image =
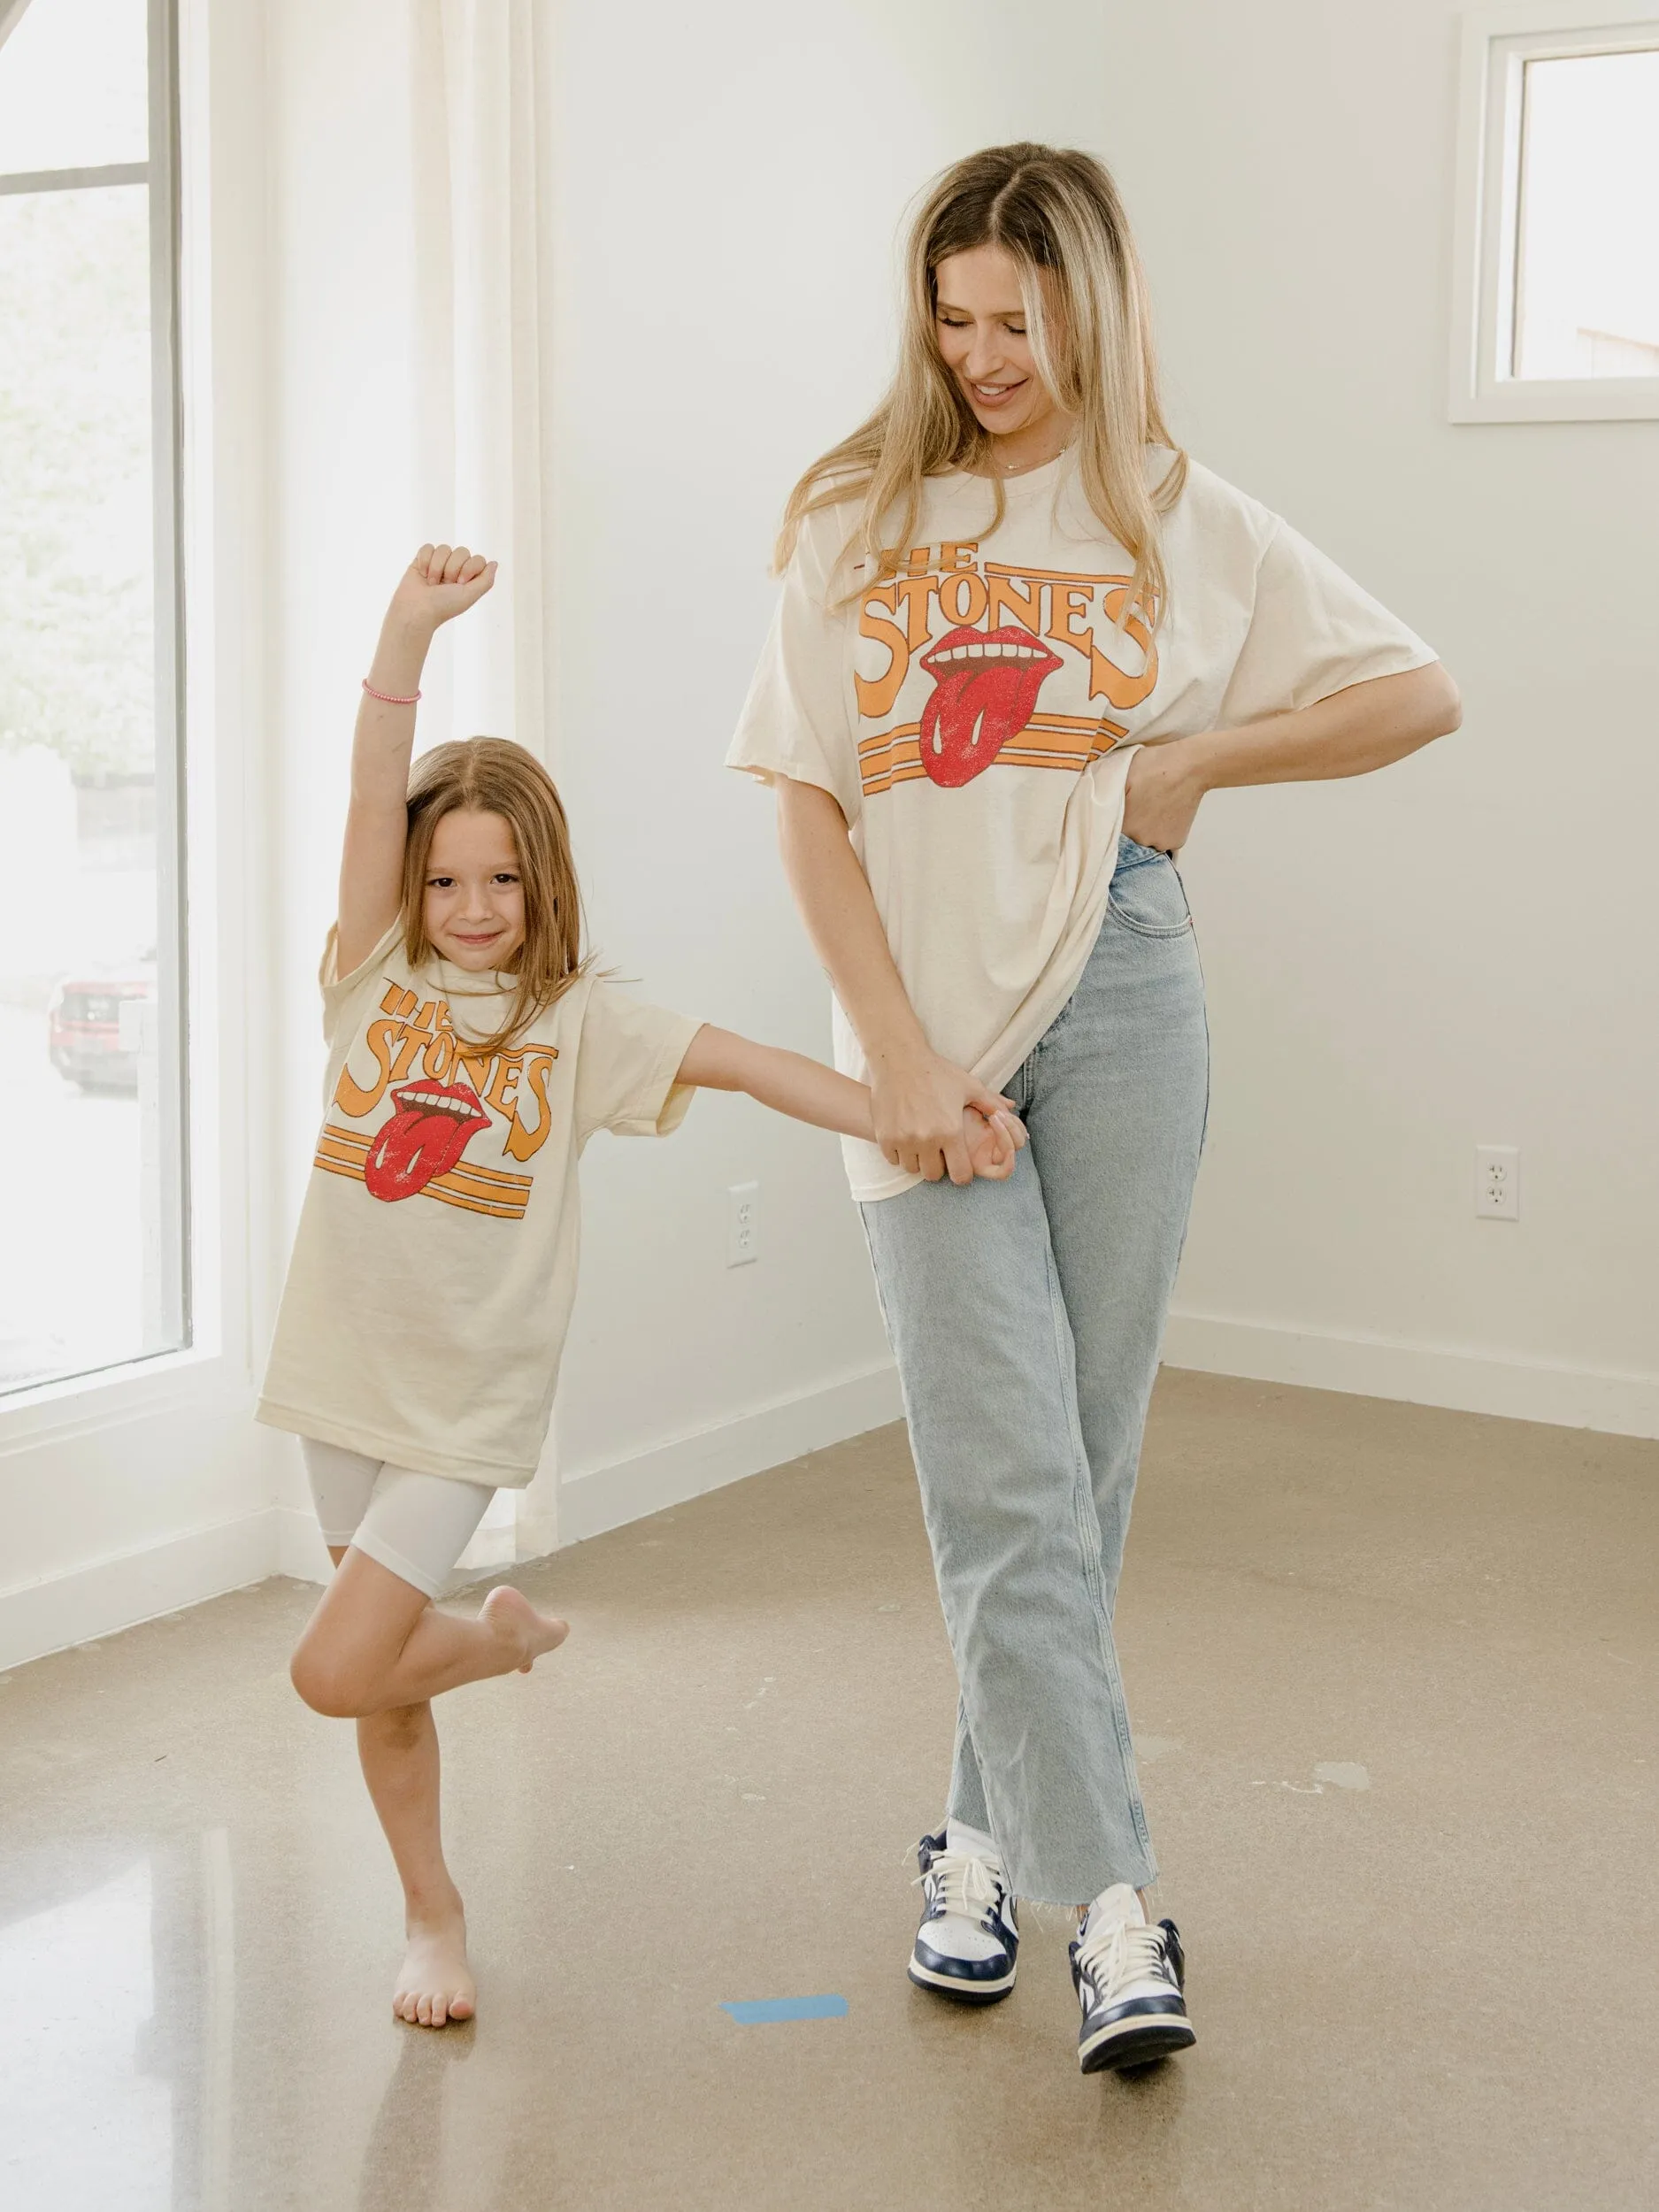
(974, 705)
(435, 1267)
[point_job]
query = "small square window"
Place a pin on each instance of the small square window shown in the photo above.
(1556, 316)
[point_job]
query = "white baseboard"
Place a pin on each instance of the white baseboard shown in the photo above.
(1378, 1367)
(300, 1550)
(118, 1592)
(603, 1498)
(87, 1602)
(110, 1594)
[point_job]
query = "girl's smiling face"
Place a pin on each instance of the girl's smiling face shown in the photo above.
(980, 323)
(473, 898)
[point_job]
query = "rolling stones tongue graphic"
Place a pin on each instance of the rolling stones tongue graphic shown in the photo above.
(985, 691)
(425, 1137)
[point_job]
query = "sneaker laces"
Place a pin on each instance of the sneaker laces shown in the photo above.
(962, 1885)
(1124, 1951)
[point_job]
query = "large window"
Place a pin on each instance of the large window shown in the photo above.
(1556, 316)
(92, 1218)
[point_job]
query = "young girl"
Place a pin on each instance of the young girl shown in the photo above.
(472, 1054)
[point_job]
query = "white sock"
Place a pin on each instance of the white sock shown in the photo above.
(959, 1935)
(974, 1843)
(1121, 1901)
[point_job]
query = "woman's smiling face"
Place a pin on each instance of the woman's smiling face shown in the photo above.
(980, 322)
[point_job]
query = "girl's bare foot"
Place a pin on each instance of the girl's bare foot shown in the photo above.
(436, 1982)
(512, 1618)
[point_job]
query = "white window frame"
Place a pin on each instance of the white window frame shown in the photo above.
(167, 1177)
(1498, 41)
(213, 327)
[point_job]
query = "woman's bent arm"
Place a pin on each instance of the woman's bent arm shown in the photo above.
(1366, 727)
(917, 1099)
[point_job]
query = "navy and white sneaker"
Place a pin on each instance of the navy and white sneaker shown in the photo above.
(1128, 1978)
(968, 1944)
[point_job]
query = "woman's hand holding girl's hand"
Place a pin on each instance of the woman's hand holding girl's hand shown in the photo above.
(918, 1103)
(1166, 781)
(441, 582)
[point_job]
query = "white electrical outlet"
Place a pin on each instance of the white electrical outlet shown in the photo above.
(742, 1223)
(1497, 1182)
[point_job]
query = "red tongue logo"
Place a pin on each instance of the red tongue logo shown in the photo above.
(985, 691)
(425, 1137)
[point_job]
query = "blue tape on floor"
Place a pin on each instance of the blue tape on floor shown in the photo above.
(788, 2009)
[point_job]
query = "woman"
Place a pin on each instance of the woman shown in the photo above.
(1021, 637)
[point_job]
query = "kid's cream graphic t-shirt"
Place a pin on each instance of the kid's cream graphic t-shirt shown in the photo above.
(435, 1266)
(974, 703)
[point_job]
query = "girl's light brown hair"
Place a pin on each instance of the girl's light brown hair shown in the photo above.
(1059, 215)
(492, 775)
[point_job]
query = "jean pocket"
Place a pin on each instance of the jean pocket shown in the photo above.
(1148, 897)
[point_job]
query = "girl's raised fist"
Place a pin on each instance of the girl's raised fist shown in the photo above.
(441, 582)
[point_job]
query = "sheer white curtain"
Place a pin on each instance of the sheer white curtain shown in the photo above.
(481, 298)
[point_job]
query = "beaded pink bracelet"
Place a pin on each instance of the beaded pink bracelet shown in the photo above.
(388, 698)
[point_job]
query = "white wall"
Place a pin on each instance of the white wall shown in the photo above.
(1462, 949)
(730, 180)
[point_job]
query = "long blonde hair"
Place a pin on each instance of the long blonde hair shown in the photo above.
(1058, 213)
(492, 775)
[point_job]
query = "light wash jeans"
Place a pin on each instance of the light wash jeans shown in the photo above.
(1025, 1317)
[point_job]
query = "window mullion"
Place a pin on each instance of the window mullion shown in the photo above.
(76, 179)
(169, 1303)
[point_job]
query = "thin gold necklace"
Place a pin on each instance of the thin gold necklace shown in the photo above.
(1025, 468)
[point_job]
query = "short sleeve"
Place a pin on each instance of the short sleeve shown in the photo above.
(794, 721)
(1312, 632)
(339, 990)
(627, 1059)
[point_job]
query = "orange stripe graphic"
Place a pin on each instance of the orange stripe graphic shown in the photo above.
(1089, 725)
(897, 757)
(463, 1187)
(900, 731)
(1048, 575)
(478, 1189)
(336, 1167)
(440, 1186)
(503, 1184)
(349, 1143)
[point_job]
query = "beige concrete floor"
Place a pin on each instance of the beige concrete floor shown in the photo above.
(1437, 1990)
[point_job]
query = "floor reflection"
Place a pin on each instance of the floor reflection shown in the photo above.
(86, 2116)
(115, 2083)
(403, 2161)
